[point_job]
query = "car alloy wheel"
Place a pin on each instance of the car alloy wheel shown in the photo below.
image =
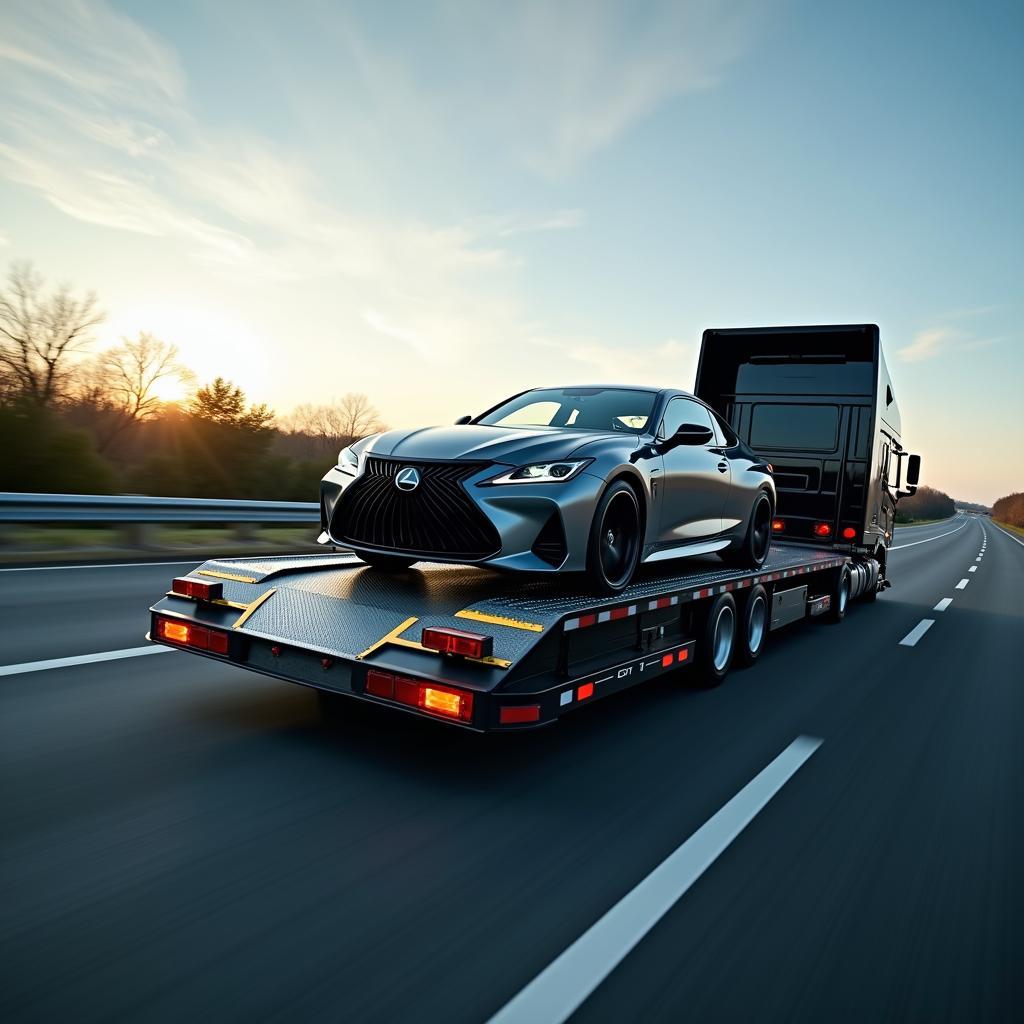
(619, 538)
(761, 529)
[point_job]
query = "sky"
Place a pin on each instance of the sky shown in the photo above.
(442, 204)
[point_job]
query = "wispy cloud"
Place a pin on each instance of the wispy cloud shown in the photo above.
(928, 343)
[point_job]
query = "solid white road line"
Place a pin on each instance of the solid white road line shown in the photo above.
(81, 659)
(943, 604)
(562, 986)
(910, 640)
(928, 540)
(102, 565)
(962, 585)
(973, 568)
(1016, 540)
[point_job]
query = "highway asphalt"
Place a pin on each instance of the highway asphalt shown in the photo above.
(185, 840)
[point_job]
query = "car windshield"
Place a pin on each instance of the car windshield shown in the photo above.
(620, 409)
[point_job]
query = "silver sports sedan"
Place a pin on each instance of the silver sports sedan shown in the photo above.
(594, 480)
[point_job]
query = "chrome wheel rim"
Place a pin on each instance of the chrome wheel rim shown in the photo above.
(844, 592)
(725, 629)
(756, 623)
(761, 528)
(619, 538)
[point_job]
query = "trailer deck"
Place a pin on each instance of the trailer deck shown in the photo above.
(328, 620)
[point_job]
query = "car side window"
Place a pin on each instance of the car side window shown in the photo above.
(684, 410)
(726, 437)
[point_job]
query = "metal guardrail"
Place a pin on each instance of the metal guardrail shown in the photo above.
(105, 508)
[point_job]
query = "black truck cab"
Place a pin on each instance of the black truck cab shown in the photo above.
(818, 403)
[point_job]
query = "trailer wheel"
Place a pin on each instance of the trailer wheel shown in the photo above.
(840, 595)
(753, 627)
(718, 644)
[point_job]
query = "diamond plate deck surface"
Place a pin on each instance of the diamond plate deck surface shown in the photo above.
(338, 604)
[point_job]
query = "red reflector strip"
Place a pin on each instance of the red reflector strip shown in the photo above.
(458, 641)
(517, 715)
(188, 634)
(587, 620)
(380, 684)
(199, 590)
(585, 691)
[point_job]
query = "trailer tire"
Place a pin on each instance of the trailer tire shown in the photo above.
(840, 596)
(718, 643)
(389, 563)
(755, 618)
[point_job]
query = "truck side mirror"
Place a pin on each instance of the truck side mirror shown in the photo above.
(913, 470)
(463, 419)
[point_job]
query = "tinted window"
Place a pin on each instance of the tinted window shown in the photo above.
(684, 410)
(576, 409)
(802, 427)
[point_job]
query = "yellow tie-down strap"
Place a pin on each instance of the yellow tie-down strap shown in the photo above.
(397, 640)
(499, 620)
(251, 609)
(227, 576)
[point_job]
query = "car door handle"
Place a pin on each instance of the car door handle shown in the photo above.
(723, 467)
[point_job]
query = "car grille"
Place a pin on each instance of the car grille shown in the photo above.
(437, 518)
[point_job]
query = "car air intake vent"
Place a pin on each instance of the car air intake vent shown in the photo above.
(550, 544)
(434, 517)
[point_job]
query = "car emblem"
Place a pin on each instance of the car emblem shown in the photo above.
(408, 479)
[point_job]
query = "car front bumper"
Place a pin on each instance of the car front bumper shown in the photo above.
(518, 512)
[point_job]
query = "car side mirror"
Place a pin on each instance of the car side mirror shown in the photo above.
(688, 434)
(463, 419)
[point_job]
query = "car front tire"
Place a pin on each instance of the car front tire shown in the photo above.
(616, 540)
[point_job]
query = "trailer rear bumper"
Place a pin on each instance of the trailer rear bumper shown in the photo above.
(422, 695)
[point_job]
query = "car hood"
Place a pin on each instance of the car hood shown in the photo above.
(478, 443)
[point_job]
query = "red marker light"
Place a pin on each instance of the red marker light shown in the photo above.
(585, 691)
(684, 654)
(380, 684)
(458, 641)
(200, 590)
(849, 533)
(520, 714)
(778, 525)
(188, 634)
(666, 660)
(822, 530)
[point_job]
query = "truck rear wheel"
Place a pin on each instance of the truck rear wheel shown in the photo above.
(753, 626)
(718, 643)
(840, 596)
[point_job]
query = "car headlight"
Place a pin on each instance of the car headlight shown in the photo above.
(347, 459)
(541, 473)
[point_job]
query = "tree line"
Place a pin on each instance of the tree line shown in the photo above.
(77, 420)
(927, 503)
(1010, 510)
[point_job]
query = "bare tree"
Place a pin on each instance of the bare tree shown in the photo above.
(132, 370)
(341, 422)
(40, 334)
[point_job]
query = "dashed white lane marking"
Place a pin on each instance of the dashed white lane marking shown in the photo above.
(928, 540)
(917, 632)
(962, 585)
(943, 604)
(973, 568)
(81, 659)
(563, 985)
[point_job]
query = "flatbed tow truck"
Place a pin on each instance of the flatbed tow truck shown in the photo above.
(494, 652)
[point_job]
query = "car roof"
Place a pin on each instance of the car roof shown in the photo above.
(658, 390)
